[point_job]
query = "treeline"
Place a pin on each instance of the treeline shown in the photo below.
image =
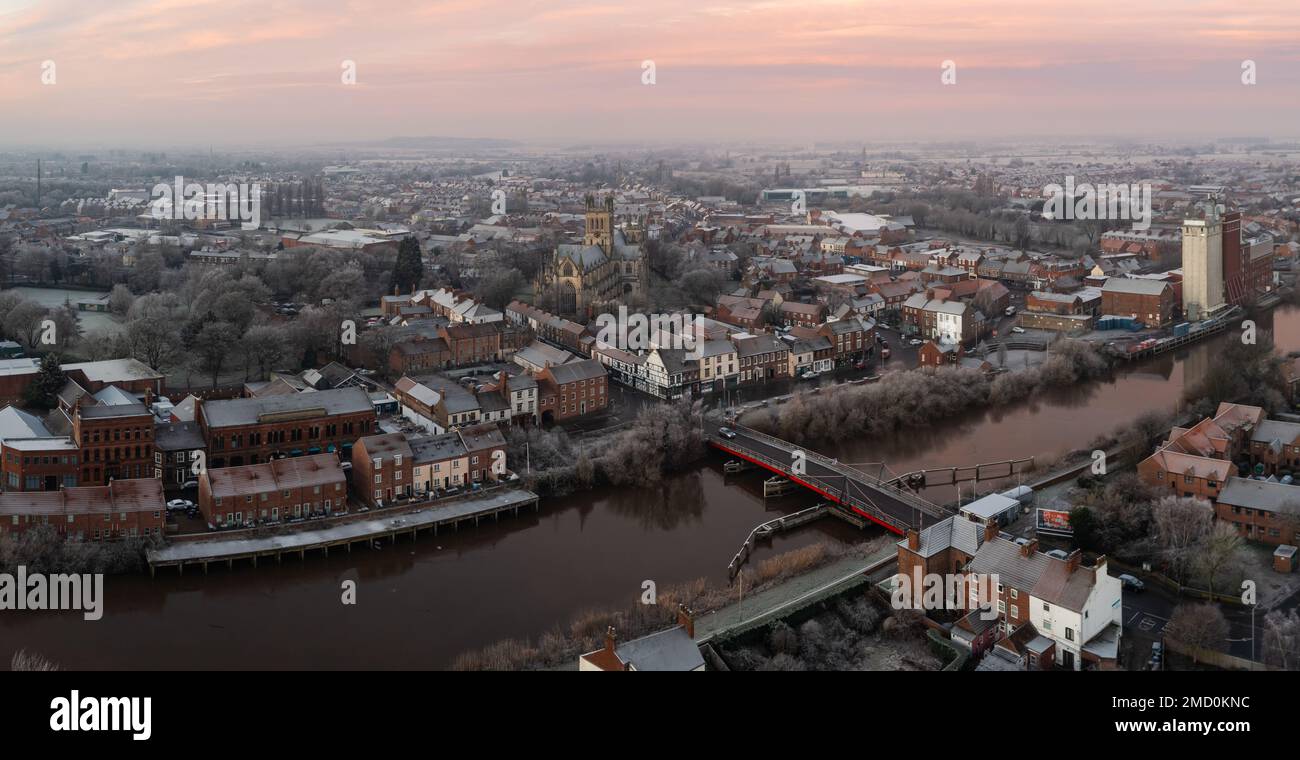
(663, 439)
(908, 399)
(41, 549)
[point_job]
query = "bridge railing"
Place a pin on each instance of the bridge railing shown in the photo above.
(832, 487)
(853, 474)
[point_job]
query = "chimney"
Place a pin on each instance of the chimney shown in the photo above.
(148, 396)
(990, 530)
(1028, 549)
(686, 619)
(1072, 562)
(611, 638)
(913, 540)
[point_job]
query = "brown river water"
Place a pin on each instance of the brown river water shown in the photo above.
(421, 603)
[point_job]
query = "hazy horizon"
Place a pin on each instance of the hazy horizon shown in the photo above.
(165, 73)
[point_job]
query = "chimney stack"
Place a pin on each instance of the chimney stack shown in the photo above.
(990, 530)
(611, 638)
(913, 540)
(1073, 560)
(1028, 549)
(686, 619)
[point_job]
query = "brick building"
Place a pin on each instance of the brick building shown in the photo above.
(122, 509)
(572, 390)
(1152, 302)
(473, 343)
(116, 441)
(1260, 510)
(419, 356)
(762, 357)
(382, 469)
(1197, 461)
(485, 448)
(274, 491)
(252, 430)
(178, 446)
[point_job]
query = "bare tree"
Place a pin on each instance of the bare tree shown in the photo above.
(1202, 626)
(25, 660)
(1219, 550)
(1281, 639)
(1180, 525)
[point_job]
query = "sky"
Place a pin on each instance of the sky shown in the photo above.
(252, 72)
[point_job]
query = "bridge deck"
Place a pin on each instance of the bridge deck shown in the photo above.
(889, 506)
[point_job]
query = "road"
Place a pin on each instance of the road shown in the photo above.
(1146, 613)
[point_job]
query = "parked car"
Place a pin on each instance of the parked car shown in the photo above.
(915, 342)
(1017, 329)
(1132, 582)
(1011, 311)
(179, 505)
(726, 432)
(189, 484)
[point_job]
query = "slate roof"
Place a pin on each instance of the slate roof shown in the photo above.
(957, 532)
(669, 650)
(1003, 557)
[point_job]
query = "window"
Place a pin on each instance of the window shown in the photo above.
(1014, 593)
(1069, 634)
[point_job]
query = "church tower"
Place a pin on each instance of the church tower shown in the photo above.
(600, 224)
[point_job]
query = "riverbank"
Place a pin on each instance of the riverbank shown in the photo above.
(801, 569)
(424, 603)
(323, 538)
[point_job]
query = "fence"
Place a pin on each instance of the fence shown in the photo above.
(1164, 581)
(1214, 657)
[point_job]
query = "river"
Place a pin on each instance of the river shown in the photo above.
(419, 604)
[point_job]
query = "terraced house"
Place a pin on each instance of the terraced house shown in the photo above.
(121, 509)
(274, 491)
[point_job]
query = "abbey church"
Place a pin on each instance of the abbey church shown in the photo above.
(608, 266)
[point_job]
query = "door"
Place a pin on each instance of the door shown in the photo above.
(1067, 659)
